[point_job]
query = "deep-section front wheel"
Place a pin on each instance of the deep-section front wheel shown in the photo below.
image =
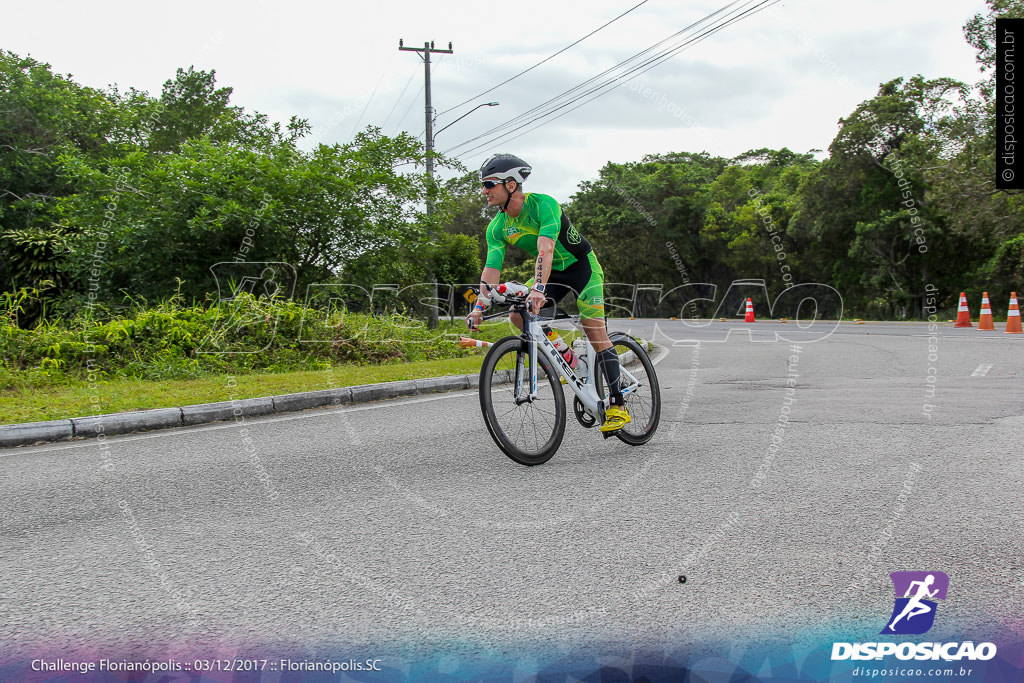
(527, 430)
(640, 390)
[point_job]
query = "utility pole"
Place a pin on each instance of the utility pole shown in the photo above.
(426, 51)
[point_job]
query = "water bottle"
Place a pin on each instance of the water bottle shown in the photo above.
(513, 289)
(561, 347)
(580, 349)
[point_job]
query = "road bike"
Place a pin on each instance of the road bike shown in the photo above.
(527, 418)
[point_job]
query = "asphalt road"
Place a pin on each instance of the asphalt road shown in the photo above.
(401, 524)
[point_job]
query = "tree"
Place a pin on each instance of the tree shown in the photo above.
(867, 209)
(751, 206)
(980, 30)
(45, 117)
(466, 210)
(453, 261)
(633, 211)
(155, 219)
(990, 221)
(191, 107)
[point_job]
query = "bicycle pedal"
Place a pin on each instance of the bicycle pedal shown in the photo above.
(608, 435)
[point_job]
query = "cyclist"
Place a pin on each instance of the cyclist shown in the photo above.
(565, 262)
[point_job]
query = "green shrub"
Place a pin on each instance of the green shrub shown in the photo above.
(246, 334)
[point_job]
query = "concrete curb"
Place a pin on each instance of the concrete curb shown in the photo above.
(120, 423)
(312, 399)
(28, 433)
(226, 410)
(31, 433)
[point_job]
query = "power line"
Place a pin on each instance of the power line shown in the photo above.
(610, 85)
(367, 105)
(540, 107)
(397, 100)
(398, 126)
(624, 74)
(372, 95)
(509, 80)
(614, 84)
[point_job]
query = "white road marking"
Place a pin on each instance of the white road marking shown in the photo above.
(981, 370)
(662, 355)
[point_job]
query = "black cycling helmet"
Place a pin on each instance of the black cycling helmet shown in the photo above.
(506, 167)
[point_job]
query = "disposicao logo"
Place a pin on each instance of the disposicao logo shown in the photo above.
(914, 614)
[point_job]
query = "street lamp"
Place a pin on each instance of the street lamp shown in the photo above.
(485, 104)
(430, 199)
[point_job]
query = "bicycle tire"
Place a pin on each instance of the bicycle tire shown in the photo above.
(644, 405)
(526, 444)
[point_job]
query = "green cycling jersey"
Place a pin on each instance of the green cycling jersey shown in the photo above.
(541, 216)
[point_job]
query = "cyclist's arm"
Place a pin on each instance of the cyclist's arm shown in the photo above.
(490, 276)
(545, 256)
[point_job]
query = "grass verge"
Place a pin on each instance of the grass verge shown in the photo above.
(117, 395)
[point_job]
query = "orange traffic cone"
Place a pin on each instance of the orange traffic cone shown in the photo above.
(749, 318)
(985, 321)
(963, 317)
(1013, 316)
(468, 343)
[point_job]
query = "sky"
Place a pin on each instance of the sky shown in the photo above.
(782, 77)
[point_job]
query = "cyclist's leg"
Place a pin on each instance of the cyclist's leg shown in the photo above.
(585, 280)
(591, 304)
(597, 333)
(589, 291)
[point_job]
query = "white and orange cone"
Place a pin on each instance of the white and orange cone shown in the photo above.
(963, 316)
(985, 319)
(468, 343)
(749, 318)
(1013, 316)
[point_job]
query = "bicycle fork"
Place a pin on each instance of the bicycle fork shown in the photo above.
(530, 378)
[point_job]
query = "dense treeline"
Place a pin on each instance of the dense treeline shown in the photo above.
(109, 198)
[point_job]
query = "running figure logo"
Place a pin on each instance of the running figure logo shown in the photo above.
(914, 612)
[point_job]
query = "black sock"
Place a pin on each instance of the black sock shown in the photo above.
(608, 360)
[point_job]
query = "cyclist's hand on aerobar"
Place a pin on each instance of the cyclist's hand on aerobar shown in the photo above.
(536, 301)
(476, 316)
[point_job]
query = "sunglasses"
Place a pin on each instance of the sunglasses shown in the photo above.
(491, 183)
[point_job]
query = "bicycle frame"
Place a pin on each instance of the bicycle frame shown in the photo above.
(516, 407)
(586, 391)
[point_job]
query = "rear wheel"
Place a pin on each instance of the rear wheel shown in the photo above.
(643, 401)
(527, 431)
